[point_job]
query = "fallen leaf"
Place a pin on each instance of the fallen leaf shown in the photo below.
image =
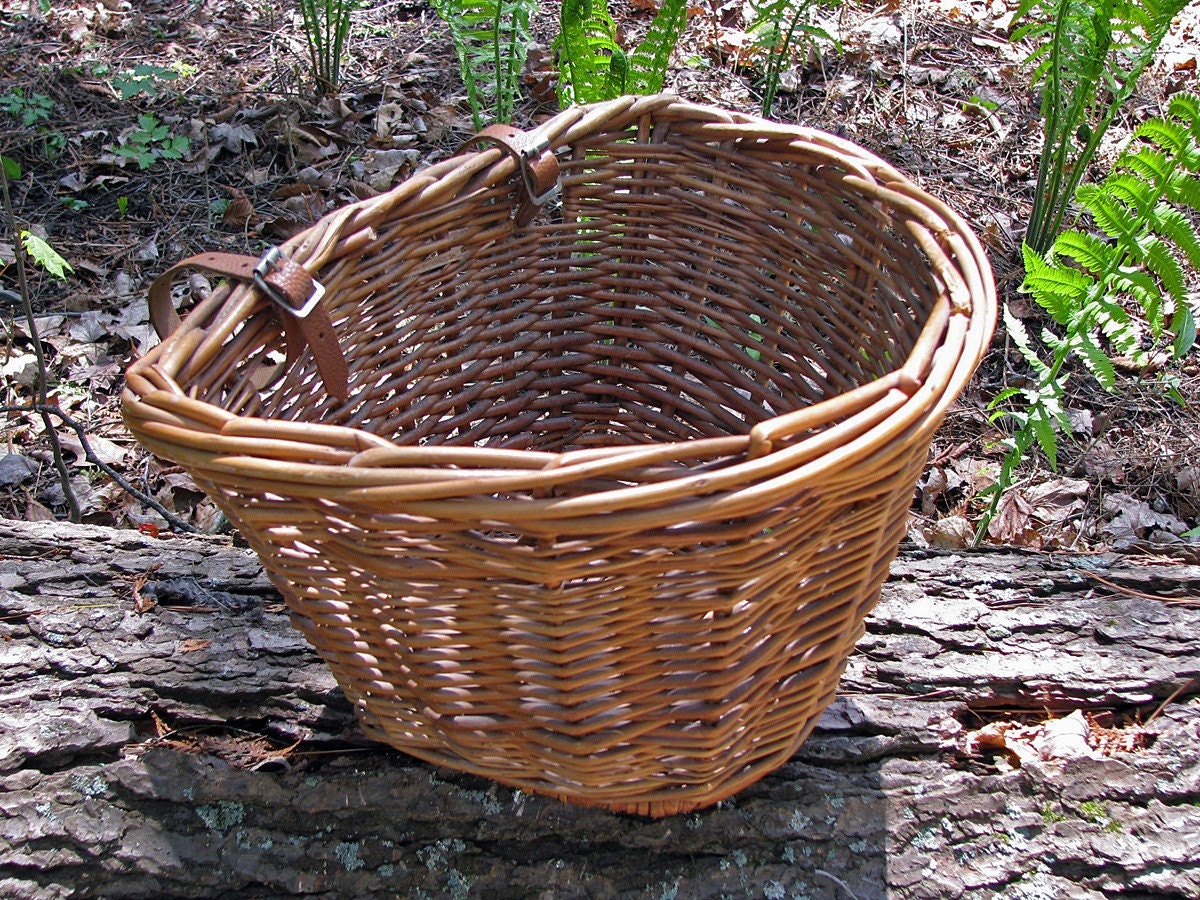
(103, 449)
(232, 137)
(16, 469)
(192, 645)
(1013, 523)
(951, 533)
(1053, 501)
(1136, 520)
(239, 214)
(1065, 738)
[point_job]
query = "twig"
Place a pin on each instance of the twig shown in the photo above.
(1183, 687)
(60, 464)
(837, 881)
(47, 410)
(1133, 592)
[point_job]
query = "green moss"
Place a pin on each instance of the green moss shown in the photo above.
(1050, 816)
(1093, 811)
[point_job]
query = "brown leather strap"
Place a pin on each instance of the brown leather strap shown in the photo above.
(162, 312)
(538, 164)
(290, 286)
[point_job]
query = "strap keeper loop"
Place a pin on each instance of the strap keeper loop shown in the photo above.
(274, 259)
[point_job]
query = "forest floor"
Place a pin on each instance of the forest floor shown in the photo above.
(934, 86)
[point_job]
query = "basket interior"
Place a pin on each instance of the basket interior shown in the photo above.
(678, 289)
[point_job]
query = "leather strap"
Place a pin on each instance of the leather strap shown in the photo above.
(289, 286)
(538, 164)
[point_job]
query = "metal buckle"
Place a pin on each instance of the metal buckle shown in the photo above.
(269, 261)
(529, 154)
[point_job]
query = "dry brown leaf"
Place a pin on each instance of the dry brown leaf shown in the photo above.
(1013, 523)
(951, 533)
(192, 645)
(1054, 501)
(239, 213)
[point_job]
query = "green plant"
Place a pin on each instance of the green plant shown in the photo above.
(44, 255)
(27, 244)
(151, 141)
(1051, 816)
(594, 66)
(1088, 57)
(30, 109)
(775, 27)
(491, 39)
(326, 29)
(1088, 282)
(142, 79)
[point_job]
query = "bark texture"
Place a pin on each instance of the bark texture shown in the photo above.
(150, 753)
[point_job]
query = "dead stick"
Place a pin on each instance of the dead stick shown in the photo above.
(47, 410)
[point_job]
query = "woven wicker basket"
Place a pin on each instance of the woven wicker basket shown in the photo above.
(612, 488)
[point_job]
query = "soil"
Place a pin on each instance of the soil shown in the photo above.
(934, 86)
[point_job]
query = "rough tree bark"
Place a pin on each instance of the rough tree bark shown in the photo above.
(149, 754)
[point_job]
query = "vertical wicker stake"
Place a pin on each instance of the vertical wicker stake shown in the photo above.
(613, 489)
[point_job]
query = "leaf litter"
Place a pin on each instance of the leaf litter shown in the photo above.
(936, 88)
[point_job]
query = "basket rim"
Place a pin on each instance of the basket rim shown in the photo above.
(374, 472)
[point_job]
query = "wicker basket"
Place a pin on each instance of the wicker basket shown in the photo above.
(605, 493)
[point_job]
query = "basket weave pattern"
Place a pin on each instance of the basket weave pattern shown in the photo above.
(614, 490)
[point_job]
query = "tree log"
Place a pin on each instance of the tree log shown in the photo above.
(165, 733)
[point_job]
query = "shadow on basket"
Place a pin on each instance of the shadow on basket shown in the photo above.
(581, 456)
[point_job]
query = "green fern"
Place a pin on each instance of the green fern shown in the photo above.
(326, 29)
(649, 60)
(1088, 57)
(593, 64)
(1088, 281)
(491, 39)
(775, 28)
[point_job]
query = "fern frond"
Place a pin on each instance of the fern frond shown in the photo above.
(649, 61)
(1097, 362)
(1015, 329)
(1086, 249)
(1158, 258)
(1059, 290)
(1114, 218)
(1156, 167)
(1121, 330)
(491, 40)
(1139, 285)
(1184, 189)
(1041, 421)
(1171, 136)
(587, 48)
(1187, 108)
(1175, 226)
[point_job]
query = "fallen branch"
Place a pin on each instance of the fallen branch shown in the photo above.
(155, 753)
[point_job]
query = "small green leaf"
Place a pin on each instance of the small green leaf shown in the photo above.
(45, 255)
(1183, 325)
(11, 167)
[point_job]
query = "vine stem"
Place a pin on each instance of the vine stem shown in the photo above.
(89, 454)
(40, 382)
